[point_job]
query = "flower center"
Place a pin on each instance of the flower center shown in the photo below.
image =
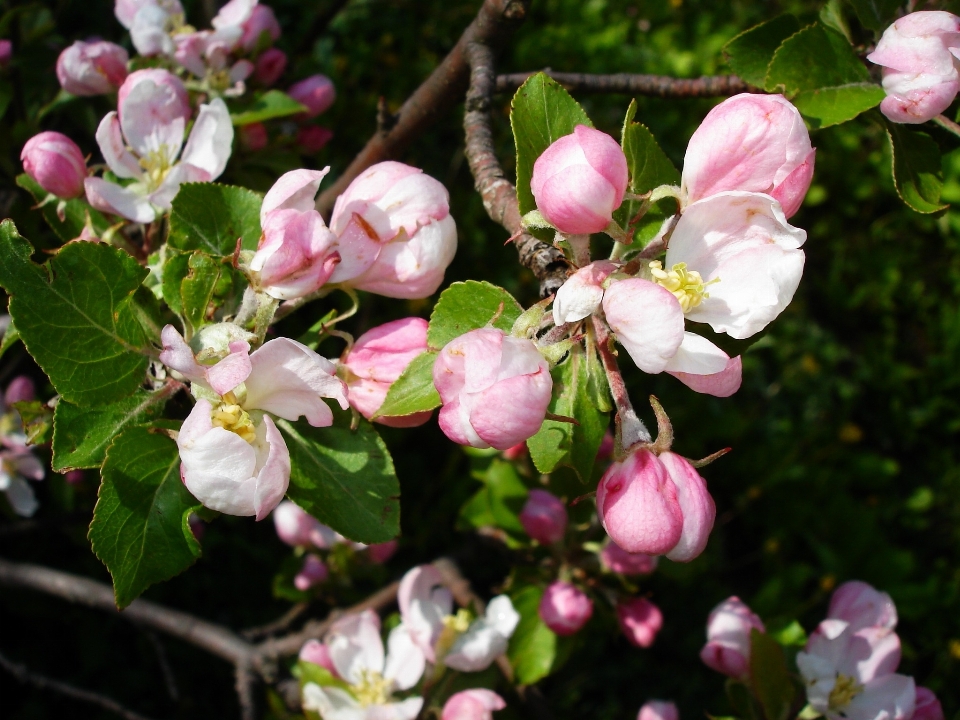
(373, 688)
(686, 285)
(844, 690)
(453, 627)
(156, 164)
(234, 418)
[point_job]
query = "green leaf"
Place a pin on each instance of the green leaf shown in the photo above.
(540, 113)
(917, 170)
(469, 305)
(75, 212)
(499, 502)
(139, 529)
(533, 646)
(816, 57)
(76, 316)
(835, 105)
(876, 15)
(769, 675)
(832, 16)
(272, 104)
(790, 635)
(37, 420)
(750, 52)
(81, 435)
(211, 217)
(344, 478)
(648, 164)
(565, 443)
(10, 336)
(413, 391)
(175, 269)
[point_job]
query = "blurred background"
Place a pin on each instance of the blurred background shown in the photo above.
(845, 434)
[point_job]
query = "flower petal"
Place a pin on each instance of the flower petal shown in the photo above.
(114, 150)
(110, 198)
(211, 139)
(647, 320)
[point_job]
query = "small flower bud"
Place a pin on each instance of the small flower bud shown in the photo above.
(474, 704)
(316, 93)
(261, 20)
(564, 608)
(581, 294)
(312, 573)
(254, 136)
(56, 163)
(92, 68)
(862, 606)
(928, 707)
(618, 560)
(20, 389)
(696, 505)
(544, 517)
(640, 620)
(580, 180)
(269, 66)
(379, 553)
(6, 52)
(658, 710)
(176, 99)
(728, 638)
(294, 525)
(313, 138)
(75, 477)
(316, 652)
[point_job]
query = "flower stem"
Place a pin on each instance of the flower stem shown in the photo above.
(630, 428)
(947, 124)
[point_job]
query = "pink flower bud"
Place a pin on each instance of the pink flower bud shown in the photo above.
(377, 359)
(544, 517)
(638, 505)
(581, 294)
(640, 620)
(607, 445)
(316, 93)
(56, 163)
(312, 573)
(728, 638)
(565, 609)
(618, 560)
(20, 389)
(92, 68)
(6, 52)
(269, 66)
(293, 524)
(927, 706)
(516, 452)
(254, 136)
(312, 138)
(580, 180)
(696, 504)
(379, 553)
(920, 76)
(753, 143)
(75, 477)
(474, 704)
(316, 652)
(658, 710)
(862, 606)
(179, 101)
(261, 20)
(495, 389)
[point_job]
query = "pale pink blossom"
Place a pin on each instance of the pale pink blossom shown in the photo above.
(316, 93)
(376, 360)
(640, 620)
(647, 320)
(473, 704)
(580, 295)
(17, 461)
(751, 143)
(579, 181)
(564, 608)
(208, 55)
(311, 574)
(426, 608)
(658, 710)
(919, 54)
(395, 221)
(862, 606)
(176, 99)
(928, 707)
(495, 389)
(92, 68)
(316, 652)
(696, 505)
(269, 66)
(56, 163)
(728, 638)
(150, 23)
(356, 651)
(618, 560)
(261, 20)
(297, 528)
(544, 517)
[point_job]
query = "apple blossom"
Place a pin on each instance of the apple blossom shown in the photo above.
(316, 93)
(426, 608)
(862, 606)
(544, 517)
(357, 653)
(313, 138)
(92, 68)
(316, 652)
(640, 620)
(918, 54)
(473, 704)
(580, 180)
(927, 706)
(728, 638)
(752, 143)
(207, 54)
(618, 560)
(312, 573)
(269, 66)
(151, 121)
(151, 23)
(582, 292)
(376, 360)
(406, 215)
(176, 100)
(17, 461)
(56, 163)
(849, 675)
(298, 528)
(658, 710)
(696, 505)
(261, 20)
(495, 389)
(233, 458)
(565, 608)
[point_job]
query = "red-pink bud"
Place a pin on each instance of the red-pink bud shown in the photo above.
(927, 706)
(381, 552)
(270, 66)
(20, 389)
(658, 710)
(312, 138)
(92, 68)
(56, 163)
(638, 505)
(516, 452)
(316, 652)
(640, 620)
(728, 638)
(74, 477)
(474, 704)
(377, 359)
(862, 606)
(495, 389)
(618, 560)
(580, 180)
(316, 93)
(696, 504)
(564, 608)
(261, 20)
(544, 517)
(312, 573)
(254, 136)
(6, 52)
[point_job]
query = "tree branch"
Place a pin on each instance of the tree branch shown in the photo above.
(630, 84)
(437, 95)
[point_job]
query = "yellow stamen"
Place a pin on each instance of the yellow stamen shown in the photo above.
(156, 164)
(686, 285)
(453, 627)
(844, 690)
(234, 418)
(373, 689)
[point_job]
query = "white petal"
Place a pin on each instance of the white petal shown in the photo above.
(124, 201)
(698, 356)
(211, 139)
(151, 119)
(274, 477)
(355, 646)
(405, 661)
(295, 190)
(20, 496)
(332, 703)
(118, 158)
(647, 320)
(477, 648)
(502, 616)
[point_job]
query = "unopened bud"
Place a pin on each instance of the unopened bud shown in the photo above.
(544, 517)
(56, 163)
(564, 608)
